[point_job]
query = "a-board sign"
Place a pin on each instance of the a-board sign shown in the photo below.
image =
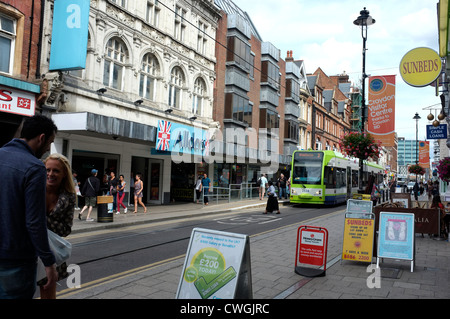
(217, 266)
(359, 208)
(396, 236)
(358, 239)
(312, 245)
(361, 196)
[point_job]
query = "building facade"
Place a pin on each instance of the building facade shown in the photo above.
(149, 74)
(20, 46)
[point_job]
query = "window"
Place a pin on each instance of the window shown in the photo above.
(291, 130)
(180, 24)
(175, 88)
(238, 108)
(115, 59)
(270, 74)
(122, 3)
(149, 71)
(198, 96)
(7, 43)
(239, 52)
(152, 13)
(202, 38)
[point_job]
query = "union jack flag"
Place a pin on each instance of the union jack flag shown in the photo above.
(163, 142)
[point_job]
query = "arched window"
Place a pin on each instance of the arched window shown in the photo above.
(198, 97)
(149, 71)
(175, 88)
(115, 59)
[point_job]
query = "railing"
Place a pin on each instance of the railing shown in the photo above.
(234, 192)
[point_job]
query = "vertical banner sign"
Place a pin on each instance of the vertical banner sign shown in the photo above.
(396, 236)
(424, 154)
(381, 117)
(69, 35)
(312, 245)
(217, 266)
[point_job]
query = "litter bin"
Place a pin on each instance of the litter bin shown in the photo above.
(102, 209)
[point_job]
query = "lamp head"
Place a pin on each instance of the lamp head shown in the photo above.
(364, 19)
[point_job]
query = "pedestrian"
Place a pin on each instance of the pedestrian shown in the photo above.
(76, 183)
(416, 191)
(430, 190)
(23, 230)
(90, 189)
(281, 183)
(121, 194)
(392, 187)
(60, 200)
(262, 186)
(113, 190)
(198, 188)
(272, 201)
(138, 195)
(206, 185)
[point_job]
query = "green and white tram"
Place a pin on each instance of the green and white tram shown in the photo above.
(327, 177)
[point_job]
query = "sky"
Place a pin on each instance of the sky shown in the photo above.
(322, 33)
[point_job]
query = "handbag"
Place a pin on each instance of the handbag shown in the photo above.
(61, 249)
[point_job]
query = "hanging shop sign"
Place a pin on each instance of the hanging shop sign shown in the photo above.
(217, 266)
(17, 102)
(420, 67)
(312, 246)
(436, 132)
(69, 35)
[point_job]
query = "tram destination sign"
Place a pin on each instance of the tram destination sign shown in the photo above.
(436, 132)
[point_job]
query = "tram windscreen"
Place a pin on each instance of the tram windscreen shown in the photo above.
(307, 168)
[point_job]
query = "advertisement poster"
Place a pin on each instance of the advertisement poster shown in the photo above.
(213, 263)
(381, 109)
(396, 236)
(312, 246)
(358, 239)
(424, 154)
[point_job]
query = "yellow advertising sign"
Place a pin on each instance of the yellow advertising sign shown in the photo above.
(420, 67)
(358, 239)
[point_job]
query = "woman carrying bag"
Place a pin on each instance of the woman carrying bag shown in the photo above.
(60, 203)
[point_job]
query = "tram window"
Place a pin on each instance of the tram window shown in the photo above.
(340, 177)
(355, 178)
(329, 177)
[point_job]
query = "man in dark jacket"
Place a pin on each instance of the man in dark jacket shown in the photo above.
(23, 225)
(89, 191)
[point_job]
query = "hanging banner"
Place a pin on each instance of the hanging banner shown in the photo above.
(69, 35)
(424, 154)
(381, 115)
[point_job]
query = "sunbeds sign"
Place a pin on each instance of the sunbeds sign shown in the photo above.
(217, 266)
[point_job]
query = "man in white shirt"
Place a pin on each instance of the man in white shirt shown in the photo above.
(262, 186)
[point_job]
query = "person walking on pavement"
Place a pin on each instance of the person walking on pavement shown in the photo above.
(262, 186)
(206, 185)
(60, 200)
(281, 183)
(138, 189)
(272, 201)
(23, 229)
(113, 190)
(90, 189)
(416, 191)
(198, 188)
(121, 194)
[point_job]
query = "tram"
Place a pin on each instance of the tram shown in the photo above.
(327, 177)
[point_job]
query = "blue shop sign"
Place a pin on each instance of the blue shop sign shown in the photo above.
(436, 132)
(69, 35)
(174, 137)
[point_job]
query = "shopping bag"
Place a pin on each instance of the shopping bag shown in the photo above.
(61, 248)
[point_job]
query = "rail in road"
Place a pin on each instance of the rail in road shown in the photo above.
(114, 255)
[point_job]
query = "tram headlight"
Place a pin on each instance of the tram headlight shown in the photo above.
(293, 191)
(318, 192)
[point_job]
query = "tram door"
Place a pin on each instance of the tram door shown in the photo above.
(349, 182)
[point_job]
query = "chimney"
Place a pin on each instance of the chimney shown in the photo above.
(289, 57)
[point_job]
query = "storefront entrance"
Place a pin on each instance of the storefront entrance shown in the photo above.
(151, 172)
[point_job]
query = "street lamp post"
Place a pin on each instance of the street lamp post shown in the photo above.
(417, 118)
(363, 21)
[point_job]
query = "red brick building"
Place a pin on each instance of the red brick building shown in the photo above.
(20, 33)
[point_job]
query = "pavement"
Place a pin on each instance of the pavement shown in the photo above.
(273, 262)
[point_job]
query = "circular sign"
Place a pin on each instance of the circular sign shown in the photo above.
(207, 263)
(420, 67)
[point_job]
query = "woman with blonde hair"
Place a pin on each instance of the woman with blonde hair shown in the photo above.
(60, 203)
